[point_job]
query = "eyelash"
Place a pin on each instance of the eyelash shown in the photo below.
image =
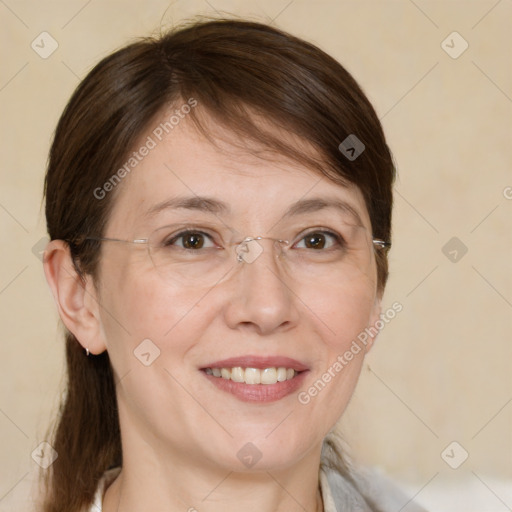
(337, 238)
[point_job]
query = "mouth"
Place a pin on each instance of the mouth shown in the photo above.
(256, 379)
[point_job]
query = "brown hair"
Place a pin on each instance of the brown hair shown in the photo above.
(236, 71)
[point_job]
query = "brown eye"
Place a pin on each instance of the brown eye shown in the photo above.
(191, 240)
(318, 240)
(315, 241)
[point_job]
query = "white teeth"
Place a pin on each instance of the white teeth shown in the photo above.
(253, 375)
(237, 374)
(268, 376)
(281, 374)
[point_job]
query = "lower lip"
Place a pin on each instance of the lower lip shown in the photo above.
(261, 393)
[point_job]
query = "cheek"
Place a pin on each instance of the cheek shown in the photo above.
(142, 307)
(340, 316)
(342, 312)
(144, 315)
(148, 329)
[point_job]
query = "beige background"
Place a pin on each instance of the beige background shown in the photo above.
(440, 371)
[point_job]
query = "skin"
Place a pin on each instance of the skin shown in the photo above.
(180, 433)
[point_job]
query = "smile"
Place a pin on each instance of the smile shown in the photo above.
(253, 376)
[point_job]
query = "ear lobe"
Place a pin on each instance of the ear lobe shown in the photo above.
(374, 317)
(75, 296)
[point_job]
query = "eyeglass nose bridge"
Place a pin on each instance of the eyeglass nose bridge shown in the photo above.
(248, 250)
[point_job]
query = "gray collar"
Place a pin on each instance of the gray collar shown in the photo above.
(340, 495)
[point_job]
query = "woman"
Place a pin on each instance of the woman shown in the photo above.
(219, 206)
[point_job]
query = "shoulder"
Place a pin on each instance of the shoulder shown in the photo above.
(340, 493)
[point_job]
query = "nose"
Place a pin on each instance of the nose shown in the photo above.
(261, 298)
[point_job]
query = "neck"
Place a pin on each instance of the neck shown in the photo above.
(198, 488)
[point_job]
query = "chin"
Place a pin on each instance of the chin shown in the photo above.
(263, 452)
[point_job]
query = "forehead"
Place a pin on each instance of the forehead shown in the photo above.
(246, 184)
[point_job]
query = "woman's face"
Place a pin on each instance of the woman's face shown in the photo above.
(169, 331)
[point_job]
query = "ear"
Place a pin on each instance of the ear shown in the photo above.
(76, 297)
(374, 317)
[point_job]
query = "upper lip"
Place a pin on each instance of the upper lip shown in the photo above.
(260, 362)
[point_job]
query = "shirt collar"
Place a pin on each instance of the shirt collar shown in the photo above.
(325, 489)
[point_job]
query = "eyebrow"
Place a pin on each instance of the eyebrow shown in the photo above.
(197, 203)
(216, 207)
(321, 203)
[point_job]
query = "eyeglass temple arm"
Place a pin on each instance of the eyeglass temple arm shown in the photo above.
(381, 244)
(106, 239)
